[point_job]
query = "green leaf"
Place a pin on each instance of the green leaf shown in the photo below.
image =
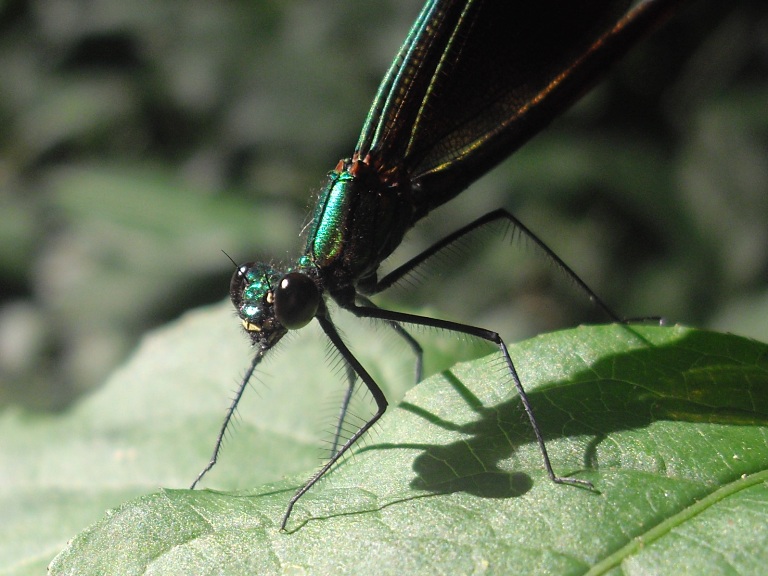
(670, 424)
(154, 423)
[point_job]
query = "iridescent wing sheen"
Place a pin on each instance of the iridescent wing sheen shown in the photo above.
(475, 80)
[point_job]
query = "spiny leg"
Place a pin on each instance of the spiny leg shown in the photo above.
(396, 319)
(228, 418)
(351, 379)
(490, 336)
(413, 344)
(378, 396)
(489, 218)
(351, 376)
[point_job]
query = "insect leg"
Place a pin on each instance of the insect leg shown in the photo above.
(351, 376)
(494, 338)
(228, 418)
(378, 396)
(486, 220)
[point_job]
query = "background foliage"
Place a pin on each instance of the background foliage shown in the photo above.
(142, 138)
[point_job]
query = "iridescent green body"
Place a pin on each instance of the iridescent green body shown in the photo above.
(358, 221)
(474, 80)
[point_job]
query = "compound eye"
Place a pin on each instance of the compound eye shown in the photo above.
(296, 300)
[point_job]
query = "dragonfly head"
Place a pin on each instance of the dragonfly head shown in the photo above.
(270, 302)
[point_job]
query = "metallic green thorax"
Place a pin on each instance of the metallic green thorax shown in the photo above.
(360, 218)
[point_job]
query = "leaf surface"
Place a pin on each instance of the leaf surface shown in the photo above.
(670, 424)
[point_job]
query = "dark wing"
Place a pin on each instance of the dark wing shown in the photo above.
(476, 79)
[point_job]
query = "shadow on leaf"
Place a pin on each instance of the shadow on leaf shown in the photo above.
(693, 379)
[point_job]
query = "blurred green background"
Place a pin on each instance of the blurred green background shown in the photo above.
(140, 139)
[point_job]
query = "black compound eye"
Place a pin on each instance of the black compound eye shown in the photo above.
(296, 300)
